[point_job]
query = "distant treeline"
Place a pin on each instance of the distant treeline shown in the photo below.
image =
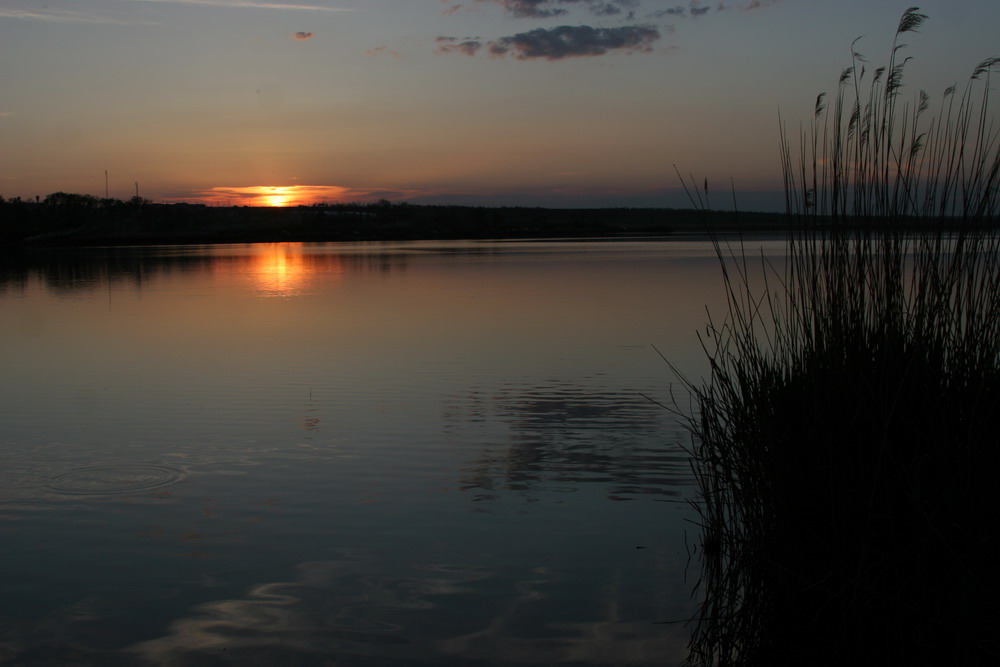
(74, 219)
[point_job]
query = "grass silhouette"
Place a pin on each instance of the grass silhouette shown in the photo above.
(846, 441)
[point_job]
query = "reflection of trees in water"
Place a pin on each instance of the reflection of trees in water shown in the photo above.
(67, 270)
(563, 435)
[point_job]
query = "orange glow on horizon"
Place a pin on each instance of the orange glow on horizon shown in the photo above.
(278, 197)
(275, 195)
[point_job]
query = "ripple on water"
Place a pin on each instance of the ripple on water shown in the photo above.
(119, 478)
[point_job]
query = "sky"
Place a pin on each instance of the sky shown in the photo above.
(555, 103)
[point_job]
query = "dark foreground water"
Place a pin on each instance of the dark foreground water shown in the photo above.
(347, 454)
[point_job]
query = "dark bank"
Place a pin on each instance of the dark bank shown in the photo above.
(62, 219)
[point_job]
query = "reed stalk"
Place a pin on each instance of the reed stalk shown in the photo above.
(846, 441)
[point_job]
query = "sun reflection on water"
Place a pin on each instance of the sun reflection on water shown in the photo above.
(286, 269)
(280, 269)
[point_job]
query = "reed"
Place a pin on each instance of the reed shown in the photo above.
(846, 441)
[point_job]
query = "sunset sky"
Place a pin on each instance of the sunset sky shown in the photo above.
(572, 103)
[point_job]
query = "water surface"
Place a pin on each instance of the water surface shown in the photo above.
(365, 454)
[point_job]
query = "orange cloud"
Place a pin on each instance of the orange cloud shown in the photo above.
(452, 9)
(381, 49)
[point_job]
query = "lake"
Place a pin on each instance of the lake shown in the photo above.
(419, 453)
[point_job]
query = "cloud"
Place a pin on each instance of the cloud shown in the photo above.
(626, 9)
(669, 11)
(531, 8)
(466, 46)
(748, 7)
(70, 16)
(573, 42)
(550, 8)
(759, 4)
(62, 16)
(613, 29)
(452, 9)
(378, 50)
(302, 36)
(254, 4)
(606, 9)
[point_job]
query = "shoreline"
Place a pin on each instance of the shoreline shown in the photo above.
(40, 225)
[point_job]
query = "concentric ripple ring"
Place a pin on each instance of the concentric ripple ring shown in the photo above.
(121, 478)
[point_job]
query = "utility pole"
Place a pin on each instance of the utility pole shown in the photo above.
(105, 183)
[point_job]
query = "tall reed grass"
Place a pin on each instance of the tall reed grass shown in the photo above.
(847, 442)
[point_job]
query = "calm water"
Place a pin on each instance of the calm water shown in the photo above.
(350, 454)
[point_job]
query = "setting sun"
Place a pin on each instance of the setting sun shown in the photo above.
(277, 195)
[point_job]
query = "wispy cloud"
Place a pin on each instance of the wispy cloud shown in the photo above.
(62, 16)
(696, 8)
(531, 8)
(467, 45)
(379, 50)
(755, 4)
(253, 4)
(550, 8)
(59, 15)
(452, 9)
(669, 11)
(622, 9)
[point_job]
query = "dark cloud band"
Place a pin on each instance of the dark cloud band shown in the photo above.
(573, 42)
(557, 43)
(568, 41)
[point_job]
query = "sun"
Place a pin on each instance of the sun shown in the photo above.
(277, 196)
(280, 196)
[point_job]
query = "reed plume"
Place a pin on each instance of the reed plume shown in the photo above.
(845, 441)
